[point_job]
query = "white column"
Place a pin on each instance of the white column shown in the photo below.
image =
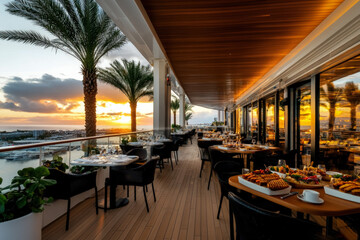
(218, 118)
(182, 108)
(161, 123)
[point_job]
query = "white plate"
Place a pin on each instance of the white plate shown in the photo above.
(321, 201)
(331, 173)
(336, 193)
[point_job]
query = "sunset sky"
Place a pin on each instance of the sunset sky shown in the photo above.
(43, 87)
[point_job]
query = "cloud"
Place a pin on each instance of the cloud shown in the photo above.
(119, 114)
(43, 95)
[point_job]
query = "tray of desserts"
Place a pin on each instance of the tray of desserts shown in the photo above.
(346, 187)
(266, 182)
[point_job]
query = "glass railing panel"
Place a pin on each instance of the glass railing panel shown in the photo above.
(61, 150)
(12, 161)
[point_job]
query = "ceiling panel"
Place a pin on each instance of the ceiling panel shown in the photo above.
(218, 49)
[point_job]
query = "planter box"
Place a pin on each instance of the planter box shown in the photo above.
(26, 227)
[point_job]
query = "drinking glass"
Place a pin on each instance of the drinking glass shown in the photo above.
(253, 141)
(322, 167)
(245, 170)
(281, 162)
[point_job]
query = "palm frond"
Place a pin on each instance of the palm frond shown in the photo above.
(133, 79)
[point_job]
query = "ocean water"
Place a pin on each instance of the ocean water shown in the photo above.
(8, 169)
(65, 127)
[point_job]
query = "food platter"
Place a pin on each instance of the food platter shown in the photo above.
(336, 193)
(262, 189)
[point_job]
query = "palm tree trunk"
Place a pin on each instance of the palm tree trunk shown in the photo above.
(90, 91)
(174, 117)
(133, 116)
(353, 117)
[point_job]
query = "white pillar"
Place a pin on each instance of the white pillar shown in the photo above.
(218, 118)
(161, 118)
(182, 108)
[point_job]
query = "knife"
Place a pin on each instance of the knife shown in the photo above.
(288, 195)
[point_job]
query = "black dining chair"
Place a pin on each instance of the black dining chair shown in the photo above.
(204, 151)
(175, 148)
(140, 176)
(253, 222)
(141, 153)
(69, 185)
(224, 170)
(217, 156)
(200, 135)
(164, 152)
(126, 147)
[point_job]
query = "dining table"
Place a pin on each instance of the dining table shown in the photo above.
(245, 151)
(331, 207)
(113, 160)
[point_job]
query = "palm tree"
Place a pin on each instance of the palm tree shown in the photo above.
(133, 79)
(174, 105)
(188, 112)
(332, 95)
(352, 95)
(80, 28)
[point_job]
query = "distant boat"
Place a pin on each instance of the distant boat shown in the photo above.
(22, 156)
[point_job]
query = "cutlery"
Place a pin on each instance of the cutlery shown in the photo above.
(288, 195)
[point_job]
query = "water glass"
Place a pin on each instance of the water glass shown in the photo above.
(245, 170)
(281, 162)
(322, 167)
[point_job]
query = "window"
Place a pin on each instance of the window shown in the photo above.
(340, 116)
(270, 120)
(303, 97)
(281, 120)
(255, 119)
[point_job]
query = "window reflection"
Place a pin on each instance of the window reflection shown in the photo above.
(270, 120)
(281, 120)
(249, 121)
(339, 116)
(304, 118)
(255, 120)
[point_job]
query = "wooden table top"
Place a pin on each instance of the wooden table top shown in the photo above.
(242, 150)
(210, 139)
(332, 206)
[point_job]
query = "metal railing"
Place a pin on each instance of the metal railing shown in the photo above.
(14, 158)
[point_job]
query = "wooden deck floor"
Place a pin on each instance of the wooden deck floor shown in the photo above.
(185, 209)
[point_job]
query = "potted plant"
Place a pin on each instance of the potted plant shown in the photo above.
(80, 179)
(22, 202)
(56, 163)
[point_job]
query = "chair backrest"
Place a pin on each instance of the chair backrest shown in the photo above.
(200, 135)
(163, 151)
(176, 144)
(290, 157)
(226, 169)
(140, 152)
(253, 222)
(217, 156)
(126, 148)
(148, 171)
(68, 184)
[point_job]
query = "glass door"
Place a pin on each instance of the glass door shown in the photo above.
(303, 124)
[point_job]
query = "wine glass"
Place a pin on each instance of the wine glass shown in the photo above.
(253, 141)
